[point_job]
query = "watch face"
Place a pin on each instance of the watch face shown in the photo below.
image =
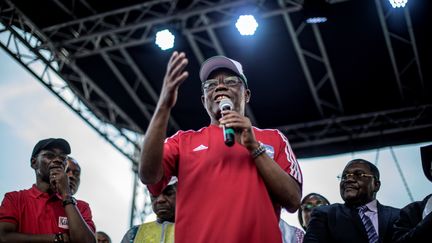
(69, 200)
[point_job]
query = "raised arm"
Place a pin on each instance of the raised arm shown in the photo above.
(150, 166)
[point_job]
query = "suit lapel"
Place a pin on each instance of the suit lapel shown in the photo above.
(383, 218)
(352, 214)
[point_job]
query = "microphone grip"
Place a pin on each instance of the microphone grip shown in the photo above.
(229, 136)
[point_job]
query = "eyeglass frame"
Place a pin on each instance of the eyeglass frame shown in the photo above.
(309, 206)
(356, 175)
(238, 80)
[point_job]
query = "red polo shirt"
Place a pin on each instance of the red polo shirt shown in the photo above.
(37, 212)
(221, 196)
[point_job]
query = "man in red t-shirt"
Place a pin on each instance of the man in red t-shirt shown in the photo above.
(225, 193)
(46, 212)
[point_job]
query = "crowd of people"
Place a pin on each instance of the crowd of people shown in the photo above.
(226, 182)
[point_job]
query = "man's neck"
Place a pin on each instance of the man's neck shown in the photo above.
(43, 186)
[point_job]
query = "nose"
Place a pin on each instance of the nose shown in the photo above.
(161, 199)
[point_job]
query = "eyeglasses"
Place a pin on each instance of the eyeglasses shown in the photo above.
(211, 84)
(355, 175)
(51, 155)
(310, 206)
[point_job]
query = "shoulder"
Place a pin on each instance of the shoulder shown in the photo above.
(81, 203)
(185, 133)
(417, 205)
(388, 208)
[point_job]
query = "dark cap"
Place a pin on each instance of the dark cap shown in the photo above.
(50, 143)
(426, 156)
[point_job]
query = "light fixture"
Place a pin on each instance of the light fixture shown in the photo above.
(246, 24)
(165, 39)
(315, 11)
(398, 3)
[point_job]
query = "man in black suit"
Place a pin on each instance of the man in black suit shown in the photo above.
(361, 218)
(415, 221)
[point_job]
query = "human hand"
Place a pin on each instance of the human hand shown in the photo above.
(174, 77)
(240, 123)
(59, 180)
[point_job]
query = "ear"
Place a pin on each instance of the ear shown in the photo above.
(247, 95)
(377, 184)
(203, 101)
(33, 162)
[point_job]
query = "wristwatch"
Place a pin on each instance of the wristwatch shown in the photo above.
(58, 238)
(258, 151)
(69, 200)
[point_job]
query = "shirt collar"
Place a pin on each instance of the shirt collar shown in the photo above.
(372, 205)
(36, 193)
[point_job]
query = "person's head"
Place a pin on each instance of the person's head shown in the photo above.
(360, 181)
(308, 203)
(102, 237)
(73, 171)
(222, 77)
(164, 204)
(426, 156)
(48, 154)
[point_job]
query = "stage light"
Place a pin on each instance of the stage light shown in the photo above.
(315, 11)
(164, 39)
(316, 20)
(246, 24)
(398, 3)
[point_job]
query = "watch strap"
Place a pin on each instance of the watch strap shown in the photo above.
(69, 200)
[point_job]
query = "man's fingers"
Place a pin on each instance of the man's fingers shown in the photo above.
(175, 63)
(179, 68)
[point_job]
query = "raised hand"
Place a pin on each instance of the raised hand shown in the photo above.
(174, 77)
(59, 181)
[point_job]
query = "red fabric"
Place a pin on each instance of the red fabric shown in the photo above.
(36, 212)
(220, 194)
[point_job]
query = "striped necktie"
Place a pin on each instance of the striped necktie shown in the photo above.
(367, 222)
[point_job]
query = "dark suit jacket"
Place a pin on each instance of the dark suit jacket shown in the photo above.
(411, 227)
(340, 223)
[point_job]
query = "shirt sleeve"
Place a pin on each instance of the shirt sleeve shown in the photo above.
(286, 158)
(169, 163)
(8, 210)
(86, 213)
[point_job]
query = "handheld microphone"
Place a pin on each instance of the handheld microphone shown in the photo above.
(229, 135)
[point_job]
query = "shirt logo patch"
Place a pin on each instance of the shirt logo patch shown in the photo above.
(269, 150)
(199, 148)
(63, 222)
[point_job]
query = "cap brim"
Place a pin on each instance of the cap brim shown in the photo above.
(217, 62)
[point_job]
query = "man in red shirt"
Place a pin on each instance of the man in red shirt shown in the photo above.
(46, 212)
(225, 193)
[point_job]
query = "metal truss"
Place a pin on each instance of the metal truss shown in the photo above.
(366, 125)
(141, 203)
(136, 24)
(316, 85)
(404, 38)
(34, 52)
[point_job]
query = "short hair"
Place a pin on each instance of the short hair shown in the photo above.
(371, 166)
(300, 210)
(104, 234)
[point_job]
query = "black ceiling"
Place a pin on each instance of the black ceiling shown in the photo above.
(355, 82)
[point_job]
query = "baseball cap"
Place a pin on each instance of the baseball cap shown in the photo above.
(48, 143)
(426, 156)
(218, 62)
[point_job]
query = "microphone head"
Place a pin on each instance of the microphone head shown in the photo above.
(225, 104)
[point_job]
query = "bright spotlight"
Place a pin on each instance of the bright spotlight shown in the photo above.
(316, 20)
(246, 24)
(398, 3)
(164, 39)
